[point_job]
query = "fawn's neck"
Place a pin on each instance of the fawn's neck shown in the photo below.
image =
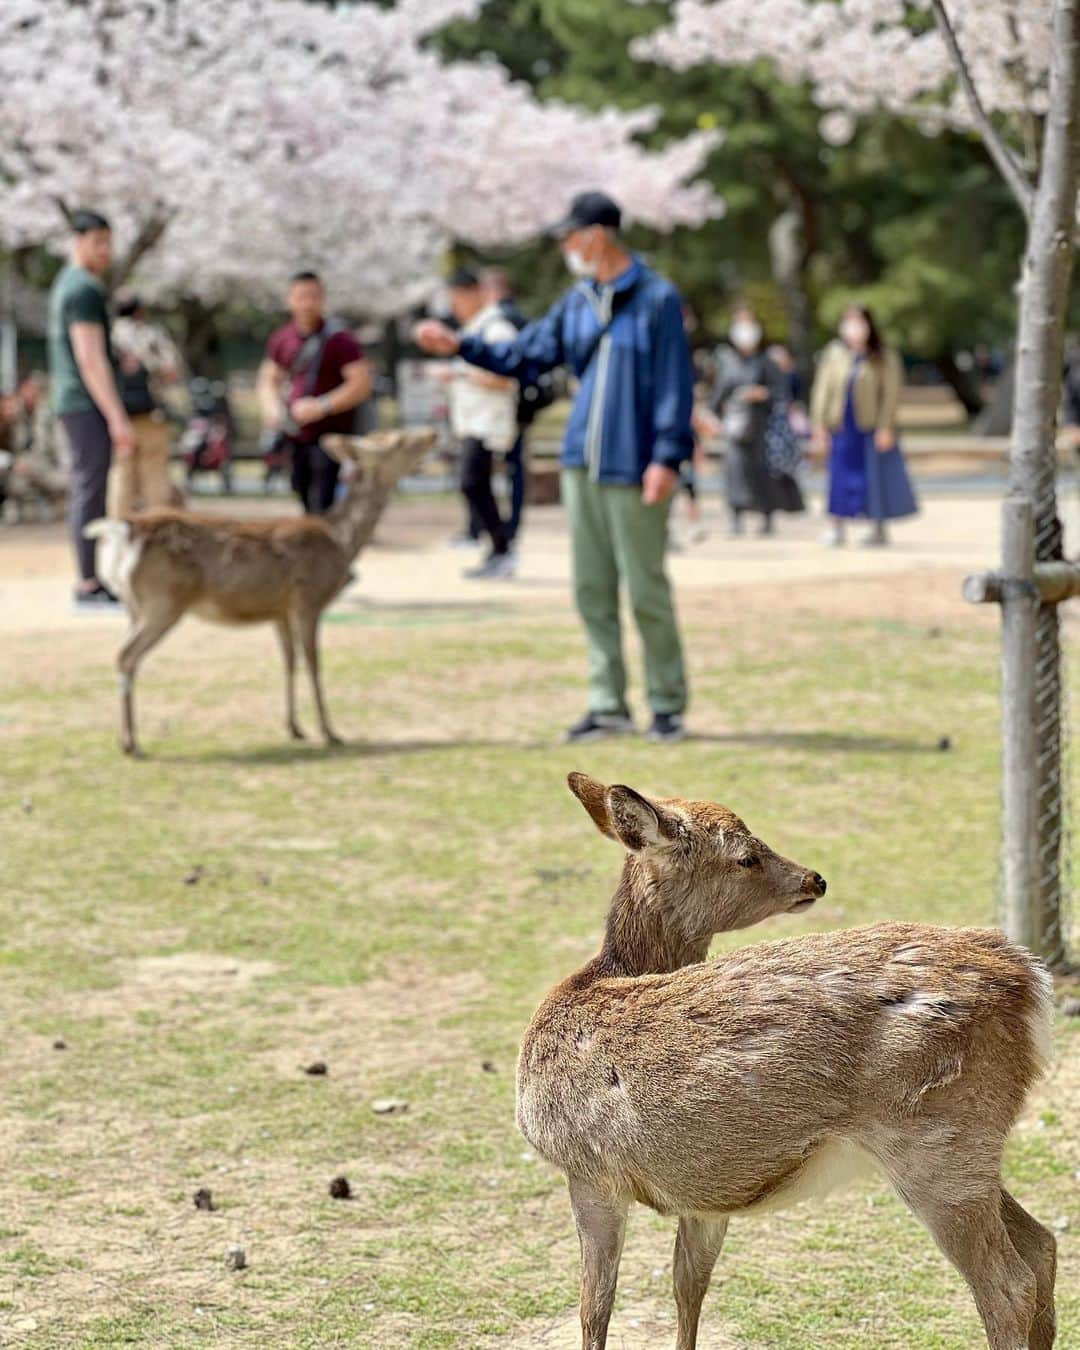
(644, 934)
(352, 520)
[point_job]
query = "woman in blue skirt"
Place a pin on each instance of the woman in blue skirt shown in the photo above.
(853, 412)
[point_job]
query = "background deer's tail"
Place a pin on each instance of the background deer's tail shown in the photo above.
(117, 552)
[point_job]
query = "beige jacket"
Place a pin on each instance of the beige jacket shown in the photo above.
(488, 414)
(877, 389)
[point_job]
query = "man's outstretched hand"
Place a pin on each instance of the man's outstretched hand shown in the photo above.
(435, 338)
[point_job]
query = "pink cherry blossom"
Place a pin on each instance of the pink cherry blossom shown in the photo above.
(253, 136)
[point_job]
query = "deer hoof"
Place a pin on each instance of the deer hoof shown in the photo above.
(296, 733)
(332, 738)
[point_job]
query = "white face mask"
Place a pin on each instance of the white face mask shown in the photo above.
(577, 265)
(855, 332)
(745, 334)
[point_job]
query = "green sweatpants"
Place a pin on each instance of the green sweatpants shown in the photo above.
(616, 538)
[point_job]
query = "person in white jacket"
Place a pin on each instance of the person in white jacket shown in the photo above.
(483, 416)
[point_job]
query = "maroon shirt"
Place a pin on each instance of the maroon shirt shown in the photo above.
(340, 350)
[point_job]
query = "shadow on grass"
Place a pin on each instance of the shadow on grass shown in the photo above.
(313, 752)
(827, 741)
(450, 608)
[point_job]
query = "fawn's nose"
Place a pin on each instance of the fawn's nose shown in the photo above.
(816, 882)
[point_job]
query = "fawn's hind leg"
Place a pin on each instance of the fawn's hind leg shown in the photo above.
(1038, 1248)
(696, 1249)
(601, 1226)
(958, 1196)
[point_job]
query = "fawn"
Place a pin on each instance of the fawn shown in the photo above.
(286, 572)
(710, 1088)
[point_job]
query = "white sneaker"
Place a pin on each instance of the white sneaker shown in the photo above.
(833, 537)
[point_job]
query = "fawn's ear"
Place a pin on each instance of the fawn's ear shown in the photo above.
(638, 822)
(593, 797)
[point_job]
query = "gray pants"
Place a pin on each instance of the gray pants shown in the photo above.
(91, 451)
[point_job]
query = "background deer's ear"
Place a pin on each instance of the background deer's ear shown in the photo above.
(638, 822)
(592, 795)
(337, 447)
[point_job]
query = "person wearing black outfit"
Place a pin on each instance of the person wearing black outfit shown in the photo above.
(483, 416)
(531, 398)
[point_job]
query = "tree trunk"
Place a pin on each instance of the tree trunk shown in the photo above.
(788, 255)
(201, 345)
(9, 332)
(1044, 293)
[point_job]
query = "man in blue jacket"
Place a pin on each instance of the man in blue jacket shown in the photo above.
(620, 330)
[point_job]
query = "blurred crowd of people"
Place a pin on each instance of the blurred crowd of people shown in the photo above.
(644, 410)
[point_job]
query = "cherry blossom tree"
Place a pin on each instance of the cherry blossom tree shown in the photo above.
(230, 140)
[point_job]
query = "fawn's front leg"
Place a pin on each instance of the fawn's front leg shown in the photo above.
(308, 630)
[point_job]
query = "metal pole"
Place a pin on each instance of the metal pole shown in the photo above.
(1021, 917)
(9, 333)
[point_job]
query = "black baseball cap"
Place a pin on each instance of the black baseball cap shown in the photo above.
(588, 208)
(83, 221)
(462, 279)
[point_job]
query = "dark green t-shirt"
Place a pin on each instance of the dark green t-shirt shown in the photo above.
(77, 296)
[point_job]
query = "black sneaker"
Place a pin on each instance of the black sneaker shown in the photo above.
(595, 725)
(666, 727)
(96, 601)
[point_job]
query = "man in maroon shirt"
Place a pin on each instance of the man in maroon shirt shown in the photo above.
(313, 374)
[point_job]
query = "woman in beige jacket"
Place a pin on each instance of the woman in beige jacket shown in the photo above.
(853, 412)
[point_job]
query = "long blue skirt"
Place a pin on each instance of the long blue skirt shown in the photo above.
(865, 482)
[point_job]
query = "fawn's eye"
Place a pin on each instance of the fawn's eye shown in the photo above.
(750, 861)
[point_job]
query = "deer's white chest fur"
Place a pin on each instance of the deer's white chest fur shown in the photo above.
(835, 1165)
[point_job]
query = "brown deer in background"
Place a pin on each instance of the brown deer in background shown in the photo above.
(166, 564)
(710, 1088)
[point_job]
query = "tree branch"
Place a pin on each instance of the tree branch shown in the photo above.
(61, 205)
(148, 235)
(1021, 186)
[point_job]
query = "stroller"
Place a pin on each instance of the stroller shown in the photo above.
(206, 441)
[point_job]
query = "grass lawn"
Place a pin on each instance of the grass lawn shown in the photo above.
(198, 927)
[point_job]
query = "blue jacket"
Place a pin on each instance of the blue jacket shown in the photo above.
(635, 389)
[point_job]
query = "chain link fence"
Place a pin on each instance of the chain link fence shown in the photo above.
(1052, 898)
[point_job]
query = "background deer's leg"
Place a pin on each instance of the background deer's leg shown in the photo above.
(150, 627)
(696, 1248)
(601, 1226)
(288, 655)
(306, 627)
(1038, 1248)
(965, 1218)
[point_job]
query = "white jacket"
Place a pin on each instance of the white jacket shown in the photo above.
(488, 414)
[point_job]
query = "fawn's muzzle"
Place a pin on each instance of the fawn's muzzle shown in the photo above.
(813, 889)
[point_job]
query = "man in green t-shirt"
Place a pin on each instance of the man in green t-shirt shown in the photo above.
(84, 391)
